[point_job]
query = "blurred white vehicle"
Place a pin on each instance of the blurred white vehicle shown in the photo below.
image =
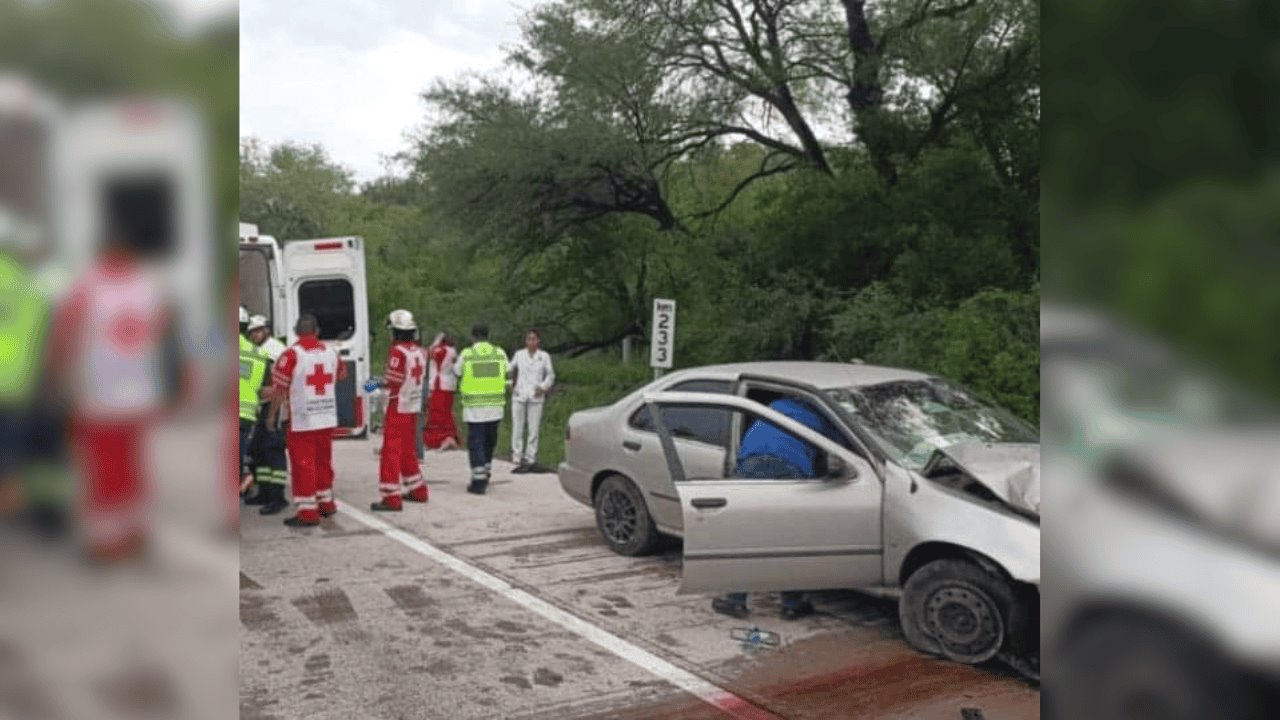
(1161, 553)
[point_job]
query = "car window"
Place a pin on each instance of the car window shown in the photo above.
(768, 452)
(708, 425)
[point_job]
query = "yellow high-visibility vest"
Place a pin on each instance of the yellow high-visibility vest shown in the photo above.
(484, 376)
(22, 323)
(253, 370)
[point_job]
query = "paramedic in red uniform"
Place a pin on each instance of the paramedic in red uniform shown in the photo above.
(114, 356)
(399, 475)
(442, 383)
(307, 375)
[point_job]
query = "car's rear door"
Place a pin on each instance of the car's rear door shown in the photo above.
(773, 533)
(701, 436)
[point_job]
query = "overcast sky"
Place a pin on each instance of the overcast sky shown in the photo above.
(348, 73)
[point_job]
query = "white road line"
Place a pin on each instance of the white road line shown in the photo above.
(704, 690)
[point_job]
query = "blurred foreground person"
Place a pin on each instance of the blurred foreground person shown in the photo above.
(399, 474)
(442, 383)
(114, 348)
(267, 451)
(305, 375)
(23, 316)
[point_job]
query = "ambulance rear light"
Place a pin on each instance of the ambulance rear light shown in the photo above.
(327, 246)
(141, 113)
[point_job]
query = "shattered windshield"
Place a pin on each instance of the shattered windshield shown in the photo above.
(910, 419)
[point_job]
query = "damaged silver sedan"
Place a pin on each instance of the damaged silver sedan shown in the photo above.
(918, 490)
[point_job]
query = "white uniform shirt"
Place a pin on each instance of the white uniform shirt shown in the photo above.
(533, 372)
(273, 348)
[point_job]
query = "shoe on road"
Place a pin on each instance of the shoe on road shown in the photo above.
(273, 507)
(384, 506)
(730, 608)
(520, 469)
(795, 612)
(475, 489)
(296, 521)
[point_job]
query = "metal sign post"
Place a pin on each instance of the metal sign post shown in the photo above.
(662, 345)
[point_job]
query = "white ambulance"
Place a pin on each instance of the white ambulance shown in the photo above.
(261, 277)
(322, 277)
(68, 171)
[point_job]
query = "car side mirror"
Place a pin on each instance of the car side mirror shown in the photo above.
(838, 469)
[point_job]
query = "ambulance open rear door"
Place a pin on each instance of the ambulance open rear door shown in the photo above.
(326, 278)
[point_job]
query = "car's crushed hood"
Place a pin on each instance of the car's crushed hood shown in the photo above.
(1011, 471)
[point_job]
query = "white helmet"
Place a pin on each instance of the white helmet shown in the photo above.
(401, 320)
(244, 315)
(257, 321)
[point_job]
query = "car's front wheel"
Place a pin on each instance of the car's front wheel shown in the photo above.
(956, 609)
(623, 517)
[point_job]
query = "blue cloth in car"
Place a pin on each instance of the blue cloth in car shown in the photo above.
(764, 438)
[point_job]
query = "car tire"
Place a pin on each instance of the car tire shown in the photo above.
(623, 517)
(956, 609)
(1112, 665)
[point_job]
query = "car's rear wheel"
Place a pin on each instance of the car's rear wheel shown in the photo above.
(623, 517)
(956, 609)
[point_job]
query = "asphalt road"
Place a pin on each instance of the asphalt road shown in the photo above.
(509, 606)
(147, 639)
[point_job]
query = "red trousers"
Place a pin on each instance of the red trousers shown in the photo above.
(441, 425)
(399, 461)
(114, 487)
(311, 471)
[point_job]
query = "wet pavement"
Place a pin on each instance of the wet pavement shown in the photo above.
(540, 620)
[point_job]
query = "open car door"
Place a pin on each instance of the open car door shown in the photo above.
(775, 534)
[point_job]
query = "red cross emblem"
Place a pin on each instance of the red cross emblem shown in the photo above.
(129, 331)
(318, 379)
(416, 372)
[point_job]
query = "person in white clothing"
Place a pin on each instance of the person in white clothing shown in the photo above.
(532, 378)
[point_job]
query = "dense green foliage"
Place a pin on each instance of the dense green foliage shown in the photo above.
(1160, 204)
(807, 179)
(93, 49)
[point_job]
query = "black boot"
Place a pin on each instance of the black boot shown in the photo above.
(804, 608)
(261, 494)
(732, 608)
(275, 502)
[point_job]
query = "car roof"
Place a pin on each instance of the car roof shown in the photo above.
(819, 374)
